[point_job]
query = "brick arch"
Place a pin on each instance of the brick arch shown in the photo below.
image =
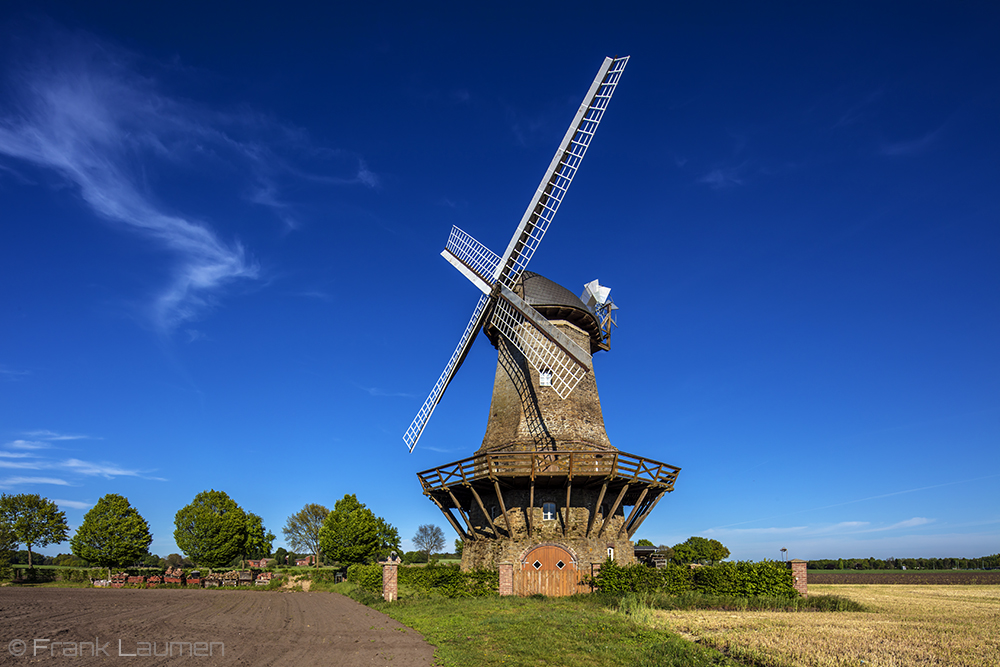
(565, 547)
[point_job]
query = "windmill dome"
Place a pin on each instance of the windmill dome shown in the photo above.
(555, 302)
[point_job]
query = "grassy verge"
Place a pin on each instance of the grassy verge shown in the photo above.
(542, 631)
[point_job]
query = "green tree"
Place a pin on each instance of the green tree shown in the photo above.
(7, 544)
(301, 530)
(35, 521)
(281, 556)
(352, 534)
(112, 534)
(212, 530)
(699, 550)
(459, 547)
(258, 540)
(644, 543)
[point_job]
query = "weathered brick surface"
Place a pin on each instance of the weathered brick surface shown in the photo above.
(390, 578)
(506, 579)
(800, 576)
(527, 417)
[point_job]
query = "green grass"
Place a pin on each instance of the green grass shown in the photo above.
(534, 631)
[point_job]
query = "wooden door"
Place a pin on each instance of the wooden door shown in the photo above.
(548, 570)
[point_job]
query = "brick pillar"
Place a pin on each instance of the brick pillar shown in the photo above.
(506, 578)
(390, 577)
(799, 576)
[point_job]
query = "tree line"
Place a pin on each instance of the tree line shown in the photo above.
(212, 531)
(983, 563)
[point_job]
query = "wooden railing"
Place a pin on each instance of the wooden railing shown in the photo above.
(534, 465)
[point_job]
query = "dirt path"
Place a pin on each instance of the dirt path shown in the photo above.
(209, 627)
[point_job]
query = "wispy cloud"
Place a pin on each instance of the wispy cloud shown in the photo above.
(12, 482)
(857, 112)
(20, 464)
(75, 504)
(28, 444)
(38, 455)
(381, 393)
(91, 113)
(909, 523)
(819, 530)
(912, 147)
(724, 177)
(103, 469)
(11, 374)
(52, 435)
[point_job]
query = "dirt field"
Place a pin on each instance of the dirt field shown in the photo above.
(910, 577)
(208, 627)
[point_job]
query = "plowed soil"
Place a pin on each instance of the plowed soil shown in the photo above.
(208, 627)
(912, 578)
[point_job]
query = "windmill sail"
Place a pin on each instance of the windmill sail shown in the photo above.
(542, 344)
(559, 176)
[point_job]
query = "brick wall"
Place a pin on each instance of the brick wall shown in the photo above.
(506, 578)
(799, 576)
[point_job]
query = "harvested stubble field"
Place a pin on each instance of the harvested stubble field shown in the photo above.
(907, 626)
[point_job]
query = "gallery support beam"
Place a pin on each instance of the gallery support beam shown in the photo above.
(451, 519)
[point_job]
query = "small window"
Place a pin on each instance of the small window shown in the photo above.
(548, 511)
(494, 511)
(611, 553)
(545, 378)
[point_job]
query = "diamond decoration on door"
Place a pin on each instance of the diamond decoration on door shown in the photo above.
(560, 565)
(537, 565)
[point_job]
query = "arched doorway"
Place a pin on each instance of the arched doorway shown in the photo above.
(550, 570)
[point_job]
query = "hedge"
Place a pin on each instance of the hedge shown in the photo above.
(450, 581)
(739, 579)
(368, 577)
(447, 580)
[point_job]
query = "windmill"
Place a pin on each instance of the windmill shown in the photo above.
(544, 497)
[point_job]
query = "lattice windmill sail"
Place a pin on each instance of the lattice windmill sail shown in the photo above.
(544, 346)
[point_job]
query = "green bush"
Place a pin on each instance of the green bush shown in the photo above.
(740, 579)
(672, 578)
(450, 581)
(368, 577)
(745, 579)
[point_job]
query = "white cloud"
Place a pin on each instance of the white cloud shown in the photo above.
(75, 504)
(21, 465)
(20, 481)
(45, 434)
(28, 444)
(723, 177)
(912, 146)
(82, 109)
(10, 374)
(102, 469)
(909, 523)
(81, 112)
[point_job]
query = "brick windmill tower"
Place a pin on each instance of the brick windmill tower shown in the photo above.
(546, 498)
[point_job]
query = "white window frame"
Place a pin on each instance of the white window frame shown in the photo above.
(548, 511)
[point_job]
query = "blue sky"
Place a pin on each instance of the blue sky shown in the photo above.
(219, 238)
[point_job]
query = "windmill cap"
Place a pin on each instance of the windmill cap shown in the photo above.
(555, 302)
